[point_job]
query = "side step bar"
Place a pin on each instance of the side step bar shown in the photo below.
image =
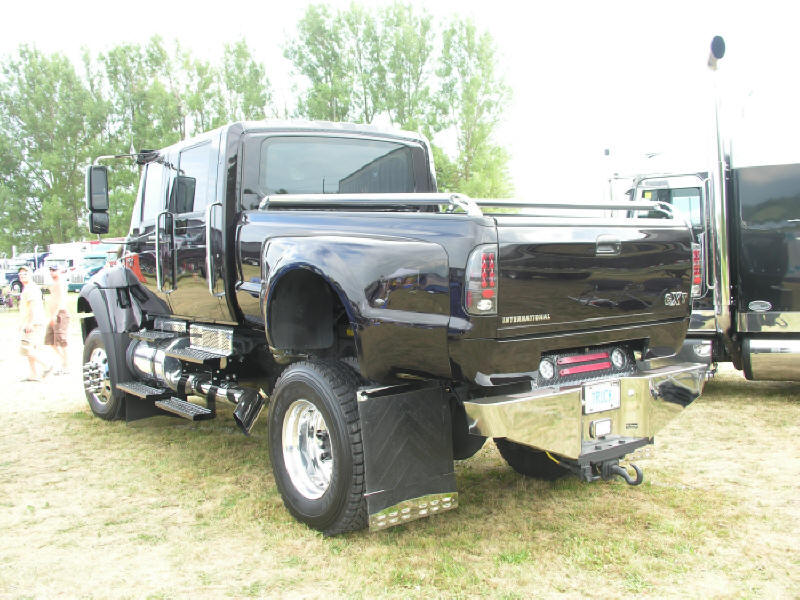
(152, 336)
(142, 390)
(187, 410)
(192, 355)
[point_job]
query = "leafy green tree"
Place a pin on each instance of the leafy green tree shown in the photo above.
(203, 95)
(49, 124)
(409, 42)
(360, 64)
(365, 49)
(476, 96)
(246, 85)
(146, 111)
(320, 53)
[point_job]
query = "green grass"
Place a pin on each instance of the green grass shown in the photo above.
(163, 508)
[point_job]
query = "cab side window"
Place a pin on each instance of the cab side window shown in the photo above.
(197, 168)
(153, 192)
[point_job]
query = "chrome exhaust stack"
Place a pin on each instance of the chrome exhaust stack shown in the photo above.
(249, 402)
(248, 409)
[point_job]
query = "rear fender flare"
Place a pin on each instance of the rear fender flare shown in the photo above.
(390, 289)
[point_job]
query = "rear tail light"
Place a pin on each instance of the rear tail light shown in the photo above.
(697, 270)
(481, 290)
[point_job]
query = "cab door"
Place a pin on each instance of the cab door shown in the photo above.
(148, 247)
(198, 292)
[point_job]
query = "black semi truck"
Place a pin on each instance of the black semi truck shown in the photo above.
(746, 308)
(391, 329)
(745, 221)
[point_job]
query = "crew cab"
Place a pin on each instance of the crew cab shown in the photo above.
(391, 328)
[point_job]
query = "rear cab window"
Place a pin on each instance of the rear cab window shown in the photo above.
(335, 165)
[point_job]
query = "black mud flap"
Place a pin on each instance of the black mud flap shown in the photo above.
(137, 409)
(408, 453)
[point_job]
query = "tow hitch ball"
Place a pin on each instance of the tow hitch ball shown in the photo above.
(611, 468)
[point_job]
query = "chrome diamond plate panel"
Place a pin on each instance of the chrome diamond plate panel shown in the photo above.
(218, 340)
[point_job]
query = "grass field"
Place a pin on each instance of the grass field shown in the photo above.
(165, 508)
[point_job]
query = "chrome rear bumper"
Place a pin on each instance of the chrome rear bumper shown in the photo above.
(553, 419)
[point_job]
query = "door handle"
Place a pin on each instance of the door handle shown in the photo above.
(607, 245)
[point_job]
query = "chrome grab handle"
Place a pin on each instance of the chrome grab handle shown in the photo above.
(159, 276)
(209, 249)
(159, 266)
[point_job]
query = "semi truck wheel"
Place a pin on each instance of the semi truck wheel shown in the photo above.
(529, 461)
(315, 446)
(105, 402)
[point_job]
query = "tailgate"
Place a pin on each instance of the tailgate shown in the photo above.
(584, 275)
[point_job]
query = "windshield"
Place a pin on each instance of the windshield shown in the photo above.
(90, 262)
(61, 263)
(687, 202)
(15, 263)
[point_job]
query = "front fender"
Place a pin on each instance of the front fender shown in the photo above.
(117, 308)
(395, 293)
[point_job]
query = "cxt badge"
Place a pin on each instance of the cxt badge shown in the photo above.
(675, 298)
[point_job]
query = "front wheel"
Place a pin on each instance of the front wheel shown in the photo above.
(315, 446)
(529, 461)
(16, 287)
(105, 402)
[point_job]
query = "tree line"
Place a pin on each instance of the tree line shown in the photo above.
(357, 64)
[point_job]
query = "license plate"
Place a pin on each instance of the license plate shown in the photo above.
(600, 396)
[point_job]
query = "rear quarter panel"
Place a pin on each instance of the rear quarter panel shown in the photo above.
(395, 293)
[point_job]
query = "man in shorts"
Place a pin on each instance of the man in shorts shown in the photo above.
(32, 318)
(58, 319)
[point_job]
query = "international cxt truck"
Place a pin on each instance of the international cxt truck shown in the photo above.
(390, 329)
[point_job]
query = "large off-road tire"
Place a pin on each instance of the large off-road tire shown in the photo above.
(16, 286)
(315, 446)
(107, 403)
(529, 461)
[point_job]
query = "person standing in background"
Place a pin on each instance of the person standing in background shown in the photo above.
(58, 319)
(32, 319)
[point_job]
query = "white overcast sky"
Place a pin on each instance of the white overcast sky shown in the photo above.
(586, 76)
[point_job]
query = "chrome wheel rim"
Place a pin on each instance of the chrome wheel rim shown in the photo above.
(98, 360)
(307, 451)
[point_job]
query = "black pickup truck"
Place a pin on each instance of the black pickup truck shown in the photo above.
(392, 328)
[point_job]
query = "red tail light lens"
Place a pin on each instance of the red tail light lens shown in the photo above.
(697, 270)
(481, 288)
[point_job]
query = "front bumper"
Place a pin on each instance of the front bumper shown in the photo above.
(553, 419)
